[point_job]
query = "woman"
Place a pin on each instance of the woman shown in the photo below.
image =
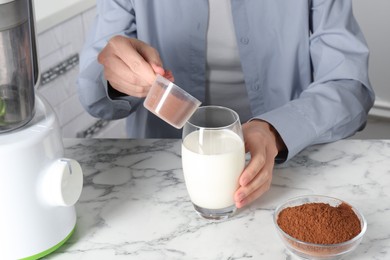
(295, 71)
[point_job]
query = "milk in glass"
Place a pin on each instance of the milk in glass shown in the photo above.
(212, 163)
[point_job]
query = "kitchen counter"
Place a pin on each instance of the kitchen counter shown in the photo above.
(134, 204)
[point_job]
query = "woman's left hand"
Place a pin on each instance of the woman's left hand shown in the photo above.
(263, 143)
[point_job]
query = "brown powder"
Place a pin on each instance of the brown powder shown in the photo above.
(320, 223)
(176, 109)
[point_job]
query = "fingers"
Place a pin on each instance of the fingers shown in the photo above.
(254, 194)
(256, 178)
(123, 80)
(256, 187)
(158, 69)
(131, 65)
(168, 74)
(136, 61)
(150, 55)
(257, 162)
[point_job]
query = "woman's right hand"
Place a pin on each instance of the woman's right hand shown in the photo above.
(131, 65)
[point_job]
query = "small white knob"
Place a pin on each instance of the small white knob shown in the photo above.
(63, 183)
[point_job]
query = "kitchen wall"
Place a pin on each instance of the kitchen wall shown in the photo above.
(374, 19)
(61, 27)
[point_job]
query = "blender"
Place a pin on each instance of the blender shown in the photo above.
(39, 187)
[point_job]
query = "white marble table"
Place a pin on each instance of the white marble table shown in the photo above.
(135, 205)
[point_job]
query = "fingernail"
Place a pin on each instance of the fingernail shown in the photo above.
(244, 181)
(240, 204)
(158, 69)
(241, 196)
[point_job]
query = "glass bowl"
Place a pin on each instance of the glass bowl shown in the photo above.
(306, 250)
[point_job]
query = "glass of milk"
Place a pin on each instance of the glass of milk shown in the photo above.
(213, 158)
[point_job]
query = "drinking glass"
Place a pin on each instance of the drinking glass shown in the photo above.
(213, 158)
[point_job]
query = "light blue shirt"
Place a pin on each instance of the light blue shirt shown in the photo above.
(305, 63)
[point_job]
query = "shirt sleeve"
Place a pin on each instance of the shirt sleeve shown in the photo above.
(335, 105)
(114, 17)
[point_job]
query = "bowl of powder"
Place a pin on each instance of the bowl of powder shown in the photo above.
(319, 227)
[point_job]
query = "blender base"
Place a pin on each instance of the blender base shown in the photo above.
(39, 188)
(50, 250)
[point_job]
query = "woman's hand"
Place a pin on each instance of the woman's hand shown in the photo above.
(263, 143)
(131, 65)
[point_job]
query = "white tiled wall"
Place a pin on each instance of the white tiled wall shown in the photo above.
(56, 45)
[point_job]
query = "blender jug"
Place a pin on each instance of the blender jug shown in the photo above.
(18, 64)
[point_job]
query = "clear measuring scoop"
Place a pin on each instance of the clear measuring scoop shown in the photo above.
(170, 102)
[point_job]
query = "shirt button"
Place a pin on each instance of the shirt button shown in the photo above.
(244, 40)
(256, 87)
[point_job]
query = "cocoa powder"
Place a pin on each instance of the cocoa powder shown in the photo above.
(320, 223)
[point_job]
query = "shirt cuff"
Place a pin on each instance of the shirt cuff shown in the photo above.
(115, 95)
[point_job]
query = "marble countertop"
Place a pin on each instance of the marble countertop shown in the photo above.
(134, 204)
